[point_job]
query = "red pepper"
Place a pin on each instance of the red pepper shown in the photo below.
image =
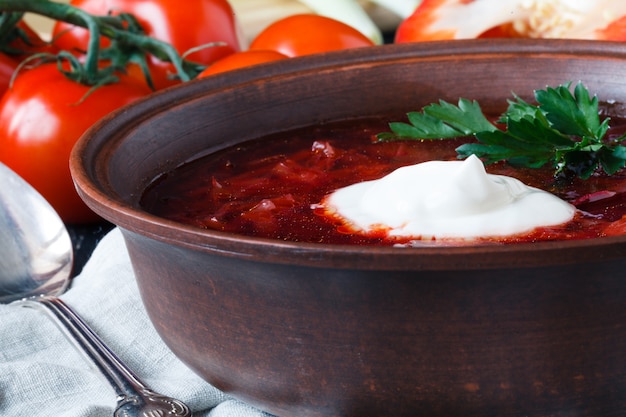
(466, 19)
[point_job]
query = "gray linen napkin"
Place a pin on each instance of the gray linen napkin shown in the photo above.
(41, 374)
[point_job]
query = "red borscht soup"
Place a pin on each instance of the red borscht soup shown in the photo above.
(270, 187)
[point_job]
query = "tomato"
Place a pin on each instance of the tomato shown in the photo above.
(305, 34)
(241, 60)
(41, 118)
(7, 67)
(184, 25)
(29, 42)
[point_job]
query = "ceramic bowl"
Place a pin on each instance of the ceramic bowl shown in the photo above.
(297, 329)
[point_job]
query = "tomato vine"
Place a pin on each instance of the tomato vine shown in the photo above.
(128, 41)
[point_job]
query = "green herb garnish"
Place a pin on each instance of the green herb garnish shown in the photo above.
(563, 130)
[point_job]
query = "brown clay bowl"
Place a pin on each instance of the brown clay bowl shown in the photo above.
(531, 330)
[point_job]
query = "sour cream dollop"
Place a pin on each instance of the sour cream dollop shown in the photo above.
(446, 200)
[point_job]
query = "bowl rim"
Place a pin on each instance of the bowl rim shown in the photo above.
(90, 181)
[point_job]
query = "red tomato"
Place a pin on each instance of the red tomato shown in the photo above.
(241, 60)
(29, 42)
(7, 67)
(184, 25)
(41, 118)
(305, 34)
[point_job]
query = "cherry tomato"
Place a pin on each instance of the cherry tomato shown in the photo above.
(184, 25)
(41, 118)
(241, 60)
(305, 34)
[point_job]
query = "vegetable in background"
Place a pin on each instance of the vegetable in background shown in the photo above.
(467, 19)
(353, 13)
(56, 97)
(17, 42)
(349, 12)
(41, 118)
(129, 43)
(8, 66)
(305, 34)
(241, 60)
(21, 41)
(189, 25)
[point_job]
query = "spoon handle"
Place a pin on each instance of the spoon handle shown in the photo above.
(134, 398)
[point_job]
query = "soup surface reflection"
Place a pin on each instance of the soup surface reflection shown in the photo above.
(270, 187)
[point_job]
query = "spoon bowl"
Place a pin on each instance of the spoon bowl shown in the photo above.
(37, 249)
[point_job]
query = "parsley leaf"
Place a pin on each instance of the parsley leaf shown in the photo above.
(441, 121)
(563, 129)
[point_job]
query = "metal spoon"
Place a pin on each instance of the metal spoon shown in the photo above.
(35, 267)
